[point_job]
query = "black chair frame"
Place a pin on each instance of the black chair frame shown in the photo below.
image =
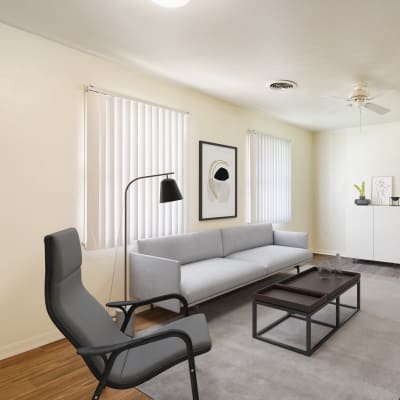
(110, 353)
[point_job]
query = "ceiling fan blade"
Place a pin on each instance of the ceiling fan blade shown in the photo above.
(376, 108)
(381, 93)
(337, 98)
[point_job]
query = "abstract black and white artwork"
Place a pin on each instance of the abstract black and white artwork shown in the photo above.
(381, 190)
(218, 181)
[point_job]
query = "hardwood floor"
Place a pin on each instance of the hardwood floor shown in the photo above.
(55, 371)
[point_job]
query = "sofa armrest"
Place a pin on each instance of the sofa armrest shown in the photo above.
(155, 276)
(291, 239)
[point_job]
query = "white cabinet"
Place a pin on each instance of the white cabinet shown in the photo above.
(373, 233)
(387, 234)
(360, 233)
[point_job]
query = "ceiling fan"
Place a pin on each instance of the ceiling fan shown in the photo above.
(360, 98)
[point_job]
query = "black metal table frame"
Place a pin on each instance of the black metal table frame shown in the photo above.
(307, 317)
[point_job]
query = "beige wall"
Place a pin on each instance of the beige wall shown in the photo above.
(344, 157)
(42, 171)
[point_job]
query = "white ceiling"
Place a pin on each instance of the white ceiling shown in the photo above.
(231, 48)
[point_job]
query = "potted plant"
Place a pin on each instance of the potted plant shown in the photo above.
(361, 201)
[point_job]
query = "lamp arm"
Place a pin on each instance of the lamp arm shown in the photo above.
(144, 177)
(126, 224)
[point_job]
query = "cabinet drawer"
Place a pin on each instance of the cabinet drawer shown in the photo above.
(359, 232)
(387, 234)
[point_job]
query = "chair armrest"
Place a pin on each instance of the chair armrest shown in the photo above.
(135, 304)
(291, 239)
(116, 349)
(152, 276)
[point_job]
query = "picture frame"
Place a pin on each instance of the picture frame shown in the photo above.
(381, 190)
(217, 181)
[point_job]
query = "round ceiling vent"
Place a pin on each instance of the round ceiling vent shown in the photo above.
(283, 84)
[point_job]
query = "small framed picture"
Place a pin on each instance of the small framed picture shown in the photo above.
(381, 190)
(217, 181)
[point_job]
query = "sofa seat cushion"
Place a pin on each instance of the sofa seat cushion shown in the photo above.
(208, 278)
(273, 258)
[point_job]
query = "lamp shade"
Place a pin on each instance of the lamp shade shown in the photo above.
(169, 191)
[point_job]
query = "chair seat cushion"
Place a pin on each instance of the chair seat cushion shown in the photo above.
(273, 258)
(207, 278)
(142, 363)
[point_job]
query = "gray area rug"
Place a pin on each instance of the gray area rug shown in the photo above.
(360, 361)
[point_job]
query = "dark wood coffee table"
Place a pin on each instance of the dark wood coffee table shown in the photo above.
(301, 296)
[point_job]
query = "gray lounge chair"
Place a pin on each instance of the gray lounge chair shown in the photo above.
(114, 358)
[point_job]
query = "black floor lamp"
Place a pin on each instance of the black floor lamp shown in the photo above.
(169, 191)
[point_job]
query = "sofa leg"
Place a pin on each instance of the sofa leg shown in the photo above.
(196, 309)
(298, 269)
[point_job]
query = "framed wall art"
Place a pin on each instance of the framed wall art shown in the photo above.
(217, 181)
(381, 190)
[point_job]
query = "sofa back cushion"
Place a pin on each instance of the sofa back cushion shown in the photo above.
(185, 248)
(245, 237)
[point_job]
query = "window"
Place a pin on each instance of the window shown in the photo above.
(270, 179)
(126, 138)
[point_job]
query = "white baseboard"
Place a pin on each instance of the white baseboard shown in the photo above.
(330, 253)
(324, 252)
(29, 344)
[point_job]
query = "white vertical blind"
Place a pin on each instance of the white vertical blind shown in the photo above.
(127, 138)
(269, 179)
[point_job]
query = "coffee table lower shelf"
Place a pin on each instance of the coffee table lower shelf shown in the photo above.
(309, 320)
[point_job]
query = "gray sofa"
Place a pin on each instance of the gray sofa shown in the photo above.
(204, 265)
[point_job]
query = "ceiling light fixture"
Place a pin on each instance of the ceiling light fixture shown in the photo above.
(171, 3)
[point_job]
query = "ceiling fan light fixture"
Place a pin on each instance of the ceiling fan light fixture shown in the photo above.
(171, 3)
(360, 98)
(359, 101)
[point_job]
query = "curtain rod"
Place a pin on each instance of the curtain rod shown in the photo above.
(255, 132)
(91, 88)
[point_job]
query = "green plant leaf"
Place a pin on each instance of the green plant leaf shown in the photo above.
(358, 189)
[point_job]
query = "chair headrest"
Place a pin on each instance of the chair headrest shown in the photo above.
(63, 253)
